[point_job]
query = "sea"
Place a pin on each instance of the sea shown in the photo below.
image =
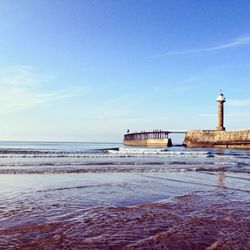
(71, 195)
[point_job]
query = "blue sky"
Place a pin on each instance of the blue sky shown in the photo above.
(89, 70)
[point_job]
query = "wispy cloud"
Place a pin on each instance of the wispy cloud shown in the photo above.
(238, 102)
(237, 42)
(21, 88)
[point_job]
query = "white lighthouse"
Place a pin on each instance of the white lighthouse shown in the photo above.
(221, 99)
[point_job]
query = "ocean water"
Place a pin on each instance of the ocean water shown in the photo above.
(109, 196)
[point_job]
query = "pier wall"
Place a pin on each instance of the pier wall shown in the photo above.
(219, 139)
(149, 142)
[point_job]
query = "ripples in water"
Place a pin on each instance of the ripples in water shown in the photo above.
(106, 196)
(185, 222)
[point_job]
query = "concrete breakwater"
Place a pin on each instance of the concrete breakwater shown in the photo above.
(156, 138)
(219, 139)
(149, 142)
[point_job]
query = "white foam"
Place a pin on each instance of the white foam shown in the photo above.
(153, 151)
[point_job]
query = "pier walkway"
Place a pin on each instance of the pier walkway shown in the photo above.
(155, 134)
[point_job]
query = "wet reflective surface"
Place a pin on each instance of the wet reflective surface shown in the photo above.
(106, 196)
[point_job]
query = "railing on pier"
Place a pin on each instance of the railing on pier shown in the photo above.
(144, 135)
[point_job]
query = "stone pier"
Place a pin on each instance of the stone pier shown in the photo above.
(218, 139)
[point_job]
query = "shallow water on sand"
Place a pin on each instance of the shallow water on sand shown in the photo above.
(107, 196)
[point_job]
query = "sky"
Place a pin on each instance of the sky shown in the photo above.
(88, 70)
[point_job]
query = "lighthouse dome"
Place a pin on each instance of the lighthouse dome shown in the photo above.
(221, 97)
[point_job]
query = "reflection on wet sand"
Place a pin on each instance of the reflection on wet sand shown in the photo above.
(221, 179)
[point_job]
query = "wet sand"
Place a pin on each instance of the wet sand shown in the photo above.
(56, 198)
(131, 211)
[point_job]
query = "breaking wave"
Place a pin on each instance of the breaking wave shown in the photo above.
(121, 152)
(109, 168)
